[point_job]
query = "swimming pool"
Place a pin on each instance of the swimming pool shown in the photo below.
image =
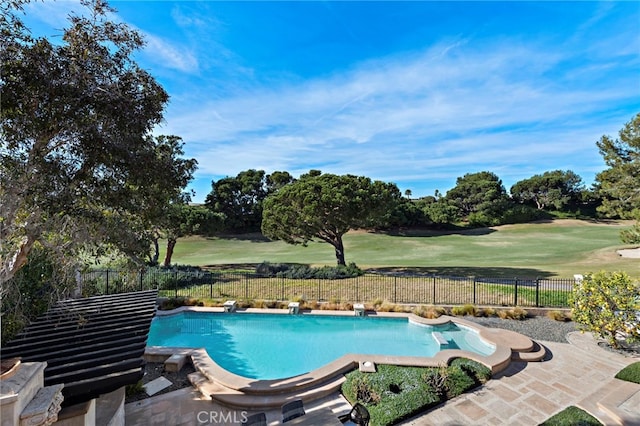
(273, 346)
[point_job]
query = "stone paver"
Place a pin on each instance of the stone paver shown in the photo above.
(530, 393)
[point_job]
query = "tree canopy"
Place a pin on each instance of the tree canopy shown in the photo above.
(555, 189)
(327, 206)
(80, 168)
(479, 197)
(619, 184)
(240, 198)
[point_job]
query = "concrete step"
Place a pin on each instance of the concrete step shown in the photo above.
(234, 398)
(536, 353)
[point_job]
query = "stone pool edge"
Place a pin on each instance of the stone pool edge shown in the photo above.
(506, 343)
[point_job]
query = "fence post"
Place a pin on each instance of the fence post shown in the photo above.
(106, 291)
(246, 286)
(175, 282)
(434, 289)
(515, 293)
(395, 289)
(537, 292)
(140, 279)
(474, 290)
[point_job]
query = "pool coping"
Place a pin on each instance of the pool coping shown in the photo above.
(506, 343)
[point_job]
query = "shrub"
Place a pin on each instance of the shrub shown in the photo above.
(516, 313)
(297, 271)
(522, 214)
(631, 373)
(359, 389)
(487, 312)
(271, 269)
(430, 312)
(437, 378)
(467, 309)
(607, 304)
(559, 316)
(134, 389)
(176, 302)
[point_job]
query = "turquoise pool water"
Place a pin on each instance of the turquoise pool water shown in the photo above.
(272, 346)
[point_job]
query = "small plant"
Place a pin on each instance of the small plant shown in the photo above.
(363, 391)
(134, 389)
(560, 316)
(437, 379)
(487, 312)
(463, 310)
(516, 313)
(387, 307)
(430, 312)
(260, 304)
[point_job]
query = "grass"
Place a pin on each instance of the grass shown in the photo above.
(395, 393)
(572, 416)
(631, 373)
(559, 248)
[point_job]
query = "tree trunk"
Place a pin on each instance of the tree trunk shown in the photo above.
(156, 252)
(339, 251)
(171, 243)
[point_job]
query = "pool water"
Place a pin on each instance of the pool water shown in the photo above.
(272, 346)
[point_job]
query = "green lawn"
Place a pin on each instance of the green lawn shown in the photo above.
(560, 248)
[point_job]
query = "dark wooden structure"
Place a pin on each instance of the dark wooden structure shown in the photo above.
(94, 345)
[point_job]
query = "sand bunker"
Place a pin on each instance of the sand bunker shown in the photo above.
(631, 253)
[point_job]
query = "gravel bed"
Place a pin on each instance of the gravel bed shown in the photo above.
(537, 328)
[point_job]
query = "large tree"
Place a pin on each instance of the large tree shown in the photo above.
(327, 206)
(619, 184)
(79, 167)
(556, 189)
(240, 198)
(481, 194)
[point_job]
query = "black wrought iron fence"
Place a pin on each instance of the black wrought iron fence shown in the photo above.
(401, 288)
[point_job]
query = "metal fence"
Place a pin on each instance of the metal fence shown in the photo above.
(394, 288)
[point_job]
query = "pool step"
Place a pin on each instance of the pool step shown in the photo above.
(235, 398)
(536, 352)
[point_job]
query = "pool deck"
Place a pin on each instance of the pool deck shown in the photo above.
(520, 393)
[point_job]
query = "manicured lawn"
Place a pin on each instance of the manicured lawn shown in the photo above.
(560, 248)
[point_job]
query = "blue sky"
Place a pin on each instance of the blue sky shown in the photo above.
(416, 93)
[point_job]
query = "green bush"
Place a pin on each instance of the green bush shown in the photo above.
(406, 391)
(606, 304)
(305, 272)
(467, 309)
(522, 214)
(269, 269)
(631, 373)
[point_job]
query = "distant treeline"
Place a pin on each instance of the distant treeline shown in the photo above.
(477, 200)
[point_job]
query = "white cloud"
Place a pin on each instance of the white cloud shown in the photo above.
(170, 55)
